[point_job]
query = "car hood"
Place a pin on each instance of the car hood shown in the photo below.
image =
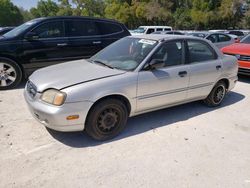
(70, 73)
(237, 48)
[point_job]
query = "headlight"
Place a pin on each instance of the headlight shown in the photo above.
(53, 96)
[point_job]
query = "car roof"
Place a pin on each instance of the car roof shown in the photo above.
(76, 17)
(158, 37)
(207, 33)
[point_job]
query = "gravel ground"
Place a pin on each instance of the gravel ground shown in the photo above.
(185, 146)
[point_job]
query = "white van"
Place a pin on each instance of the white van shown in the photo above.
(150, 29)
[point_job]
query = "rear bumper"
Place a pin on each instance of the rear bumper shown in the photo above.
(232, 82)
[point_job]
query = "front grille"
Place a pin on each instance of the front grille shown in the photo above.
(31, 89)
(244, 71)
(244, 58)
(240, 57)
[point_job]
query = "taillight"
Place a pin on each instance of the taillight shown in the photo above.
(237, 40)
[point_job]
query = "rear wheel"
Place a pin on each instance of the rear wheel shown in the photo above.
(10, 74)
(217, 95)
(106, 119)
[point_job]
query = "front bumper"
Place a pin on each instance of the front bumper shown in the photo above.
(55, 117)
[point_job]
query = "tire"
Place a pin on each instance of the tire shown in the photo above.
(217, 95)
(106, 119)
(10, 74)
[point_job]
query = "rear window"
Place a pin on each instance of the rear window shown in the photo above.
(108, 28)
(77, 28)
(238, 33)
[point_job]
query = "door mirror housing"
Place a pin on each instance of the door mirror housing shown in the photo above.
(31, 36)
(155, 64)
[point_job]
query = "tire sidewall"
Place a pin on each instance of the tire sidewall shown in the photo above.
(210, 100)
(18, 70)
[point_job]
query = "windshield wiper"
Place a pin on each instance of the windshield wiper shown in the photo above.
(104, 64)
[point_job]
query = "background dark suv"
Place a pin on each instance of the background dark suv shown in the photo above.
(46, 41)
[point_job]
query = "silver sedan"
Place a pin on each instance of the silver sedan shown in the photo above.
(132, 76)
(219, 39)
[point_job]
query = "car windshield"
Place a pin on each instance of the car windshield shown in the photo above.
(18, 30)
(125, 54)
(246, 40)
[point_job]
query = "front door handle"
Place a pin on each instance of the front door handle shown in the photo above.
(218, 67)
(62, 44)
(182, 73)
(97, 42)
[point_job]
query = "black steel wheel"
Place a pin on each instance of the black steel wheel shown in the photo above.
(217, 95)
(106, 119)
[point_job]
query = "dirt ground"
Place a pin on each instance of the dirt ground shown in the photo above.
(185, 146)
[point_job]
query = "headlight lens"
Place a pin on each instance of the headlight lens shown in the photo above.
(53, 96)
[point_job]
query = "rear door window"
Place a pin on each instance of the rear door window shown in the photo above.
(108, 28)
(224, 38)
(159, 29)
(150, 30)
(200, 52)
(80, 28)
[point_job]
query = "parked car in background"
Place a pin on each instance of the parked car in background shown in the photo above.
(168, 32)
(47, 41)
(217, 30)
(219, 39)
(150, 29)
(238, 33)
(134, 75)
(4, 30)
(242, 52)
(235, 37)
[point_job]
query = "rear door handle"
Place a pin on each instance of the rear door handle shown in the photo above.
(97, 42)
(182, 73)
(218, 67)
(62, 44)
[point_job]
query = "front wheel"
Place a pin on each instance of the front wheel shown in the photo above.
(10, 74)
(217, 95)
(106, 119)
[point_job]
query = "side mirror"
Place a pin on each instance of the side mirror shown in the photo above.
(155, 64)
(31, 36)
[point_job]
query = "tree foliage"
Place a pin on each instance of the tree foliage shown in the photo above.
(181, 14)
(10, 15)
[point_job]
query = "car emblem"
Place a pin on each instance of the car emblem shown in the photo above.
(237, 56)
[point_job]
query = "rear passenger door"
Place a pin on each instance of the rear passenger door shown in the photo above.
(205, 68)
(84, 38)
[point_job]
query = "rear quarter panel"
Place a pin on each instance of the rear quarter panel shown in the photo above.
(230, 66)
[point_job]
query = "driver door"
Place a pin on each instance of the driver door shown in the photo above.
(50, 47)
(165, 86)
